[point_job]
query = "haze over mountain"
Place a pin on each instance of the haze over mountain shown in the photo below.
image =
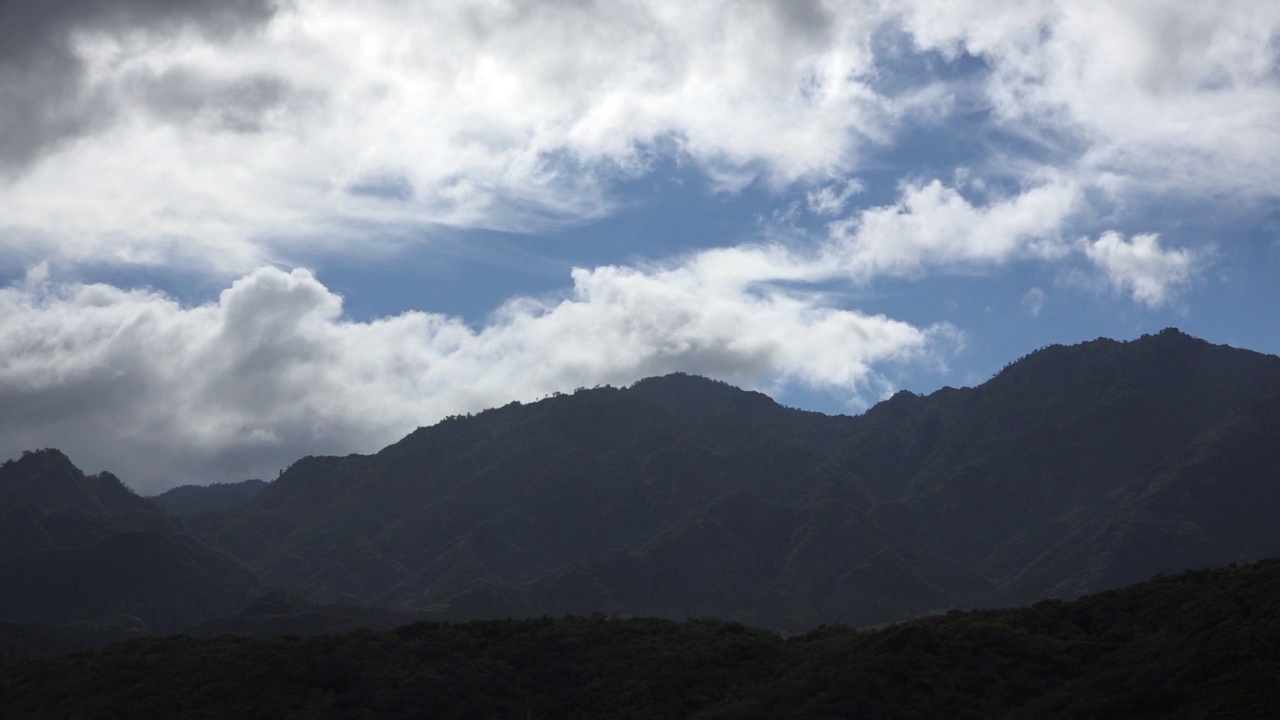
(1075, 469)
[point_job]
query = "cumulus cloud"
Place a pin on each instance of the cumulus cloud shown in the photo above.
(335, 118)
(226, 135)
(935, 226)
(1139, 266)
(165, 394)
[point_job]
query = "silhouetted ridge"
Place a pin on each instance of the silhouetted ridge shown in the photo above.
(194, 499)
(690, 392)
(1076, 469)
(85, 548)
(68, 502)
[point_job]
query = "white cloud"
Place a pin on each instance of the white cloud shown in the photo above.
(333, 120)
(1149, 273)
(930, 228)
(934, 226)
(830, 199)
(1176, 96)
(164, 394)
(332, 125)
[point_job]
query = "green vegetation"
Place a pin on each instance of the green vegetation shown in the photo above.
(1199, 645)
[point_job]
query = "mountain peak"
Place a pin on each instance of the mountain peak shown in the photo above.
(48, 480)
(695, 394)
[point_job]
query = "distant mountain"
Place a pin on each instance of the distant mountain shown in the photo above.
(48, 503)
(78, 548)
(1199, 645)
(194, 499)
(1074, 470)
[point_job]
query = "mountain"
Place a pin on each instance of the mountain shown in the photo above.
(195, 499)
(1074, 470)
(46, 502)
(78, 548)
(1197, 645)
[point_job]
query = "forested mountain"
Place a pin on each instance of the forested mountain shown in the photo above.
(1199, 645)
(1074, 470)
(195, 499)
(78, 548)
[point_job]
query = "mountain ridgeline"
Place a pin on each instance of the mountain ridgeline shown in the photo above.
(1074, 470)
(83, 549)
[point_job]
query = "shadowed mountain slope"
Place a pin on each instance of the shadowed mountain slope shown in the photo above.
(195, 499)
(1070, 471)
(84, 548)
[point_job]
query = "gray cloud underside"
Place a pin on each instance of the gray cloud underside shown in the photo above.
(164, 394)
(44, 97)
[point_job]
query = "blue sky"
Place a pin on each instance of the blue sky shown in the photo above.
(237, 233)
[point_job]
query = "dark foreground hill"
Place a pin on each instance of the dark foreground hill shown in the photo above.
(1199, 645)
(1074, 470)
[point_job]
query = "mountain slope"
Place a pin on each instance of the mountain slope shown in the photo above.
(1074, 470)
(195, 499)
(681, 496)
(84, 548)
(47, 502)
(516, 493)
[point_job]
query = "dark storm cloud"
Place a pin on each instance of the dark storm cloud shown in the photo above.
(43, 97)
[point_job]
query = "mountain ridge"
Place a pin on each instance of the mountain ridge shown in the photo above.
(1074, 469)
(967, 495)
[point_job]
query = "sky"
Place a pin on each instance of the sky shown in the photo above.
(238, 232)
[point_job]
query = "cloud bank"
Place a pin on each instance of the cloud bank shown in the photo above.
(165, 394)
